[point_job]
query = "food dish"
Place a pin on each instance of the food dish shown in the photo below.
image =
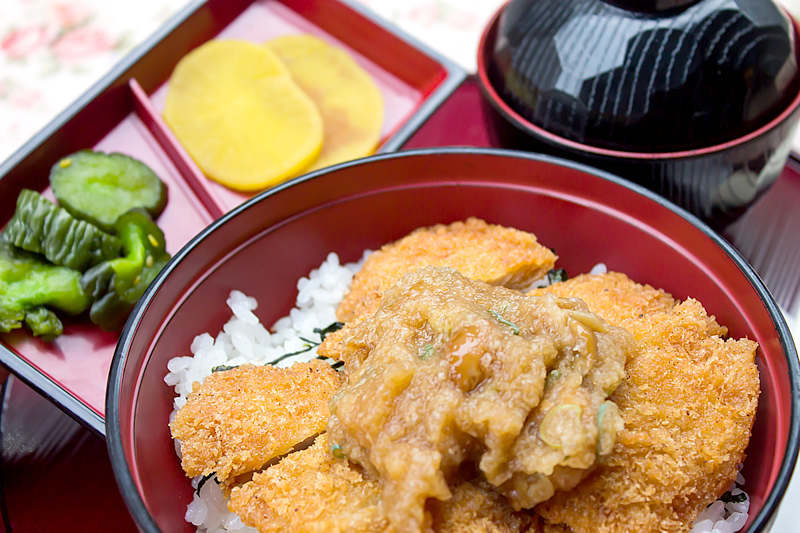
(533, 191)
(690, 394)
(242, 418)
(453, 380)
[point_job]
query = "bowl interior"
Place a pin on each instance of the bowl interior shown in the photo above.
(264, 246)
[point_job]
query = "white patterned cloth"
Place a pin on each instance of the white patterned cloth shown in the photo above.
(53, 51)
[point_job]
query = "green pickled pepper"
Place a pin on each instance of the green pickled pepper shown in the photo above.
(117, 285)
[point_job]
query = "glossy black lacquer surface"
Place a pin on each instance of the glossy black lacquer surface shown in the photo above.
(646, 75)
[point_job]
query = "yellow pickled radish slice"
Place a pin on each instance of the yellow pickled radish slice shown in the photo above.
(235, 108)
(348, 99)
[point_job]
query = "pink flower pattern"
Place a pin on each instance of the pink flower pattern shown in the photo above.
(82, 42)
(52, 50)
(69, 35)
(21, 42)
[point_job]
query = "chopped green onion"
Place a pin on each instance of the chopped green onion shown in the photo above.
(336, 450)
(427, 352)
(514, 327)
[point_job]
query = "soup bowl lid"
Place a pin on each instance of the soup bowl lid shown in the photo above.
(645, 76)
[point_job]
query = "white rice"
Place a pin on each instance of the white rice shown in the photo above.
(722, 517)
(244, 339)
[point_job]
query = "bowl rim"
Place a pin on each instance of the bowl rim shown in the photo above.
(114, 438)
(530, 128)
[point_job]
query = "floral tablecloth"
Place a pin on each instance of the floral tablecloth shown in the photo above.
(52, 51)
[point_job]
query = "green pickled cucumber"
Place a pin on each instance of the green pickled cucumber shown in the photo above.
(99, 187)
(42, 227)
(29, 286)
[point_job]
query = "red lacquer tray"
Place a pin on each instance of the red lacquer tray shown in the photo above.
(462, 119)
(123, 113)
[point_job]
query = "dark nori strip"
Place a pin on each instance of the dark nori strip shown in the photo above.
(730, 498)
(324, 332)
(203, 481)
(310, 344)
(223, 368)
(557, 274)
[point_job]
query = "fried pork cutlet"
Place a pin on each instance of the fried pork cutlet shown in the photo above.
(477, 508)
(310, 490)
(688, 402)
(313, 491)
(237, 420)
(481, 251)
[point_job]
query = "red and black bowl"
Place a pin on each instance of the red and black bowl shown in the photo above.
(695, 100)
(265, 245)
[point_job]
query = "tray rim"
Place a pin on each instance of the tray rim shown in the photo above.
(46, 385)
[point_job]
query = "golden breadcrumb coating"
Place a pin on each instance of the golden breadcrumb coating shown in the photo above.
(237, 420)
(481, 251)
(688, 402)
(310, 490)
(313, 491)
(477, 508)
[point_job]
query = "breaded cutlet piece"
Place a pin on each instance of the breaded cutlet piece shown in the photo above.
(237, 420)
(485, 252)
(614, 296)
(688, 402)
(481, 251)
(313, 491)
(477, 508)
(310, 490)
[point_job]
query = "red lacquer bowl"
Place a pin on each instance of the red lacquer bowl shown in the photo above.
(265, 245)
